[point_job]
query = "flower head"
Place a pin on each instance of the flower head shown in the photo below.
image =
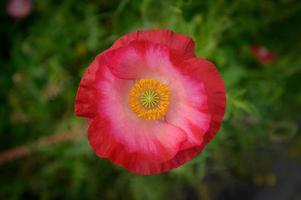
(262, 54)
(19, 8)
(151, 104)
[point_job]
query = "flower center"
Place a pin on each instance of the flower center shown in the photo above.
(149, 99)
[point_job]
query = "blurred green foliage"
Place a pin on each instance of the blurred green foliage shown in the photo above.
(44, 56)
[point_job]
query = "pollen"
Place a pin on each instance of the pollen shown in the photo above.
(149, 99)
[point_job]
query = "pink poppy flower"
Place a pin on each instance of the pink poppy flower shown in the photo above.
(19, 8)
(262, 54)
(151, 104)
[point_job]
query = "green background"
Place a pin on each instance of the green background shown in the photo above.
(44, 56)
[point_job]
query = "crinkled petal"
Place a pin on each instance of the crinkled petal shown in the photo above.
(179, 44)
(152, 140)
(188, 108)
(146, 147)
(85, 100)
(214, 85)
(215, 88)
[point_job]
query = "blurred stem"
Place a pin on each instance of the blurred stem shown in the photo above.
(73, 134)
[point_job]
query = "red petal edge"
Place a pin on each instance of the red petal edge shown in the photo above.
(85, 104)
(181, 45)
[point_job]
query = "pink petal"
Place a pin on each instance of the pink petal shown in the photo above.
(153, 140)
(188, 106)
(214, 85)
(180, 44)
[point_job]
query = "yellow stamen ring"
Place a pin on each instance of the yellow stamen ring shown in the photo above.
(149, 99)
